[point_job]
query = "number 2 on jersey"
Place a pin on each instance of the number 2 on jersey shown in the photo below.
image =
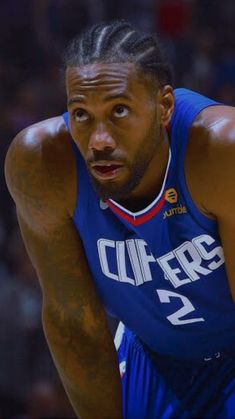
(178, 318)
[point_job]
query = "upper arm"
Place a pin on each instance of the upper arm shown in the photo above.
(36, 174)
(222, 196)
(210, 166)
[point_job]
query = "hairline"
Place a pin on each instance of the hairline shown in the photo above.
(148, 77)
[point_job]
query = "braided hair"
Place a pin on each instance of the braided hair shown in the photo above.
(119, 42)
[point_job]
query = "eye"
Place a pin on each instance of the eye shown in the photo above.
(120, 111)
(80, 115)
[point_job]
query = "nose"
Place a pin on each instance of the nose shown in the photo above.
(101, 140)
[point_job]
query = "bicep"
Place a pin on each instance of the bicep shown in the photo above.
(222, 197)
(227, 235)
(214, 177)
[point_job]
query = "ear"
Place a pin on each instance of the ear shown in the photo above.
(166, 104)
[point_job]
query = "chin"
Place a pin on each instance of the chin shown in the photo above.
(112, 190)
(110, 193)
(118, 190)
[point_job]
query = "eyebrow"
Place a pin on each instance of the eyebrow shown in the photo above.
(76, 99)
(80, 99)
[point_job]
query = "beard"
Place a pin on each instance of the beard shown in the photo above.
(110, 190)
(145, 153)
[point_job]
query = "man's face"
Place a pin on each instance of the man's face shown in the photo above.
(115, 122)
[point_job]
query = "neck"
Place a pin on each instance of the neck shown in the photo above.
(151, 184)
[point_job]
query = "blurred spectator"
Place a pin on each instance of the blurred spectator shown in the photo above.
(20, 303)
(224, 83)
(139, 12)
(47, 400)
(173, 17)
(200, 74)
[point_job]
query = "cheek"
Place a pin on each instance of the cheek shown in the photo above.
(147, 140)
(137, 136)
(80, 138)
(145, 121)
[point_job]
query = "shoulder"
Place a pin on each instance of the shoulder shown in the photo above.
(41, 140)
(210, 158)
(40, 167)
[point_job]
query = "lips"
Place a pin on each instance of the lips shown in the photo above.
(106, 170)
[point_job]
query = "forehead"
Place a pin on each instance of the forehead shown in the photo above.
(104, 78)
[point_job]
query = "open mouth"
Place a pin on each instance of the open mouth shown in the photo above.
(106, 170)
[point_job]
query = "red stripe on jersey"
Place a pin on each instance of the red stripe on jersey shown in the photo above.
(142, 218)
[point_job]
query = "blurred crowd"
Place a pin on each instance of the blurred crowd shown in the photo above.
(198, 36)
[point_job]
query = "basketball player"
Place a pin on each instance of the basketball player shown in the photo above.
(126, 204)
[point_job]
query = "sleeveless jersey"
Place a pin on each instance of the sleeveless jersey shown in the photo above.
(161, 270)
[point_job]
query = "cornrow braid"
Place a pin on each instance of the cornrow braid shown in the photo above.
(119, 42)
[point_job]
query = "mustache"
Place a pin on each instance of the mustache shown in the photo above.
(109, 156)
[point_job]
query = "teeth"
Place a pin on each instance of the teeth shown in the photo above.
(106, 164)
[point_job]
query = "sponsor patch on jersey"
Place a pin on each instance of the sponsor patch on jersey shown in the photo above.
(180, 209)
(171, 195)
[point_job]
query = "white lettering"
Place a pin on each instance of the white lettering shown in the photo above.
(172, 273)
(102, 244)
(191, 264)
(176, 318)
(135, 264)
(208, 255)
(121, 263)
(185, 264)
(145, 260)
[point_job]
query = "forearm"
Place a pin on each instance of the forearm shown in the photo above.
(96, 393)
(88, 368)
(74, 321)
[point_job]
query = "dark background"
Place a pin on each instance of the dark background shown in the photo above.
(199, 38)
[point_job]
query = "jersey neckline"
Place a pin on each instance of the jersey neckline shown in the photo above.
(140, 217)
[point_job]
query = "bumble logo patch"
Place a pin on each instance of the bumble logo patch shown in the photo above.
(180, 209)
(171, 196)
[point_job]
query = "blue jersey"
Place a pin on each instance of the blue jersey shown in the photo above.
(161, 270)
